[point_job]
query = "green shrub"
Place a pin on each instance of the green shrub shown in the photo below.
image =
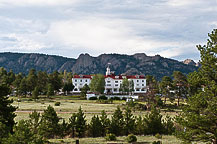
(93, 98)
(158, 136)
(124, 98)
(116, 98)
(156, 142)
(131, 138)
(103, 97)
(110, 137)
(57, 104)
(30, 99)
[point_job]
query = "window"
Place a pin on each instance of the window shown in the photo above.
(115, 90)
(80, 80)
(116, 81)
(116, 85)
(108, 81)
(137, 89)
(142, 80)
(142, 84)
(75, 84)
(85, 80)
(137, 80)
(108, 84)
(137, 85)
(75, 89)
(75, 80)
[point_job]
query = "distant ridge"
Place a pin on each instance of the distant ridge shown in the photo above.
(138, 63)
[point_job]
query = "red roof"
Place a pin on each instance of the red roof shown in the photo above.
(113, 76)
(82, 76)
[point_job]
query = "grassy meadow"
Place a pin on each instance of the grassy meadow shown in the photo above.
(71, 104)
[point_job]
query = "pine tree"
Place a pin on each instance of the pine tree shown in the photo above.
(129, 122)
(50, 90)
(7, 114)
(105, 123)
(180, 85)
(31, 80)
(49, 126)
(23, 135)
(199, 118)
(117, 122)
(80, 123)
(35, 93)
(165, 86)
(153, 122)
(95, 127)
(139, 126)
(72, 124)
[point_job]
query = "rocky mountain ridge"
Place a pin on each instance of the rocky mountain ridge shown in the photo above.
(138, 63)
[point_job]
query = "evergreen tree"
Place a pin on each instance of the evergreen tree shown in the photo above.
(49, 127)
(195, 83)
(72, 124)
(7, 114)
(35, 93)
(165, 87)
(153, 122)
(11, 77)
(34, 121)
(42, 81)
(95, 127)
(67, 87)
(31, 80)
(105, 123)
(180, 85)
(199, 117)
(23, 135)
(152, 90)
(55, 80)
(22, 90)
(139, 126)
(4, 132)
(117, 122)
(129, 122)
(50, 90)
(17, 81)
(80, 123)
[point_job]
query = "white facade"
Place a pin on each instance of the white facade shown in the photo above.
(79, 82)
(112, 82)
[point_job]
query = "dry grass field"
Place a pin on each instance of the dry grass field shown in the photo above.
(101, 140)
(69, 105)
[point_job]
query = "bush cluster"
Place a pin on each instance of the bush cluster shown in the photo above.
(131, 138)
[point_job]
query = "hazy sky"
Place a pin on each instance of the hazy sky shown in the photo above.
(171, 28)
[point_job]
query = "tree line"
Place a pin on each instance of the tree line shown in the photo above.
(41, 127)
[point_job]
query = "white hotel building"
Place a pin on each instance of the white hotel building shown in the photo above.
(112, 82)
